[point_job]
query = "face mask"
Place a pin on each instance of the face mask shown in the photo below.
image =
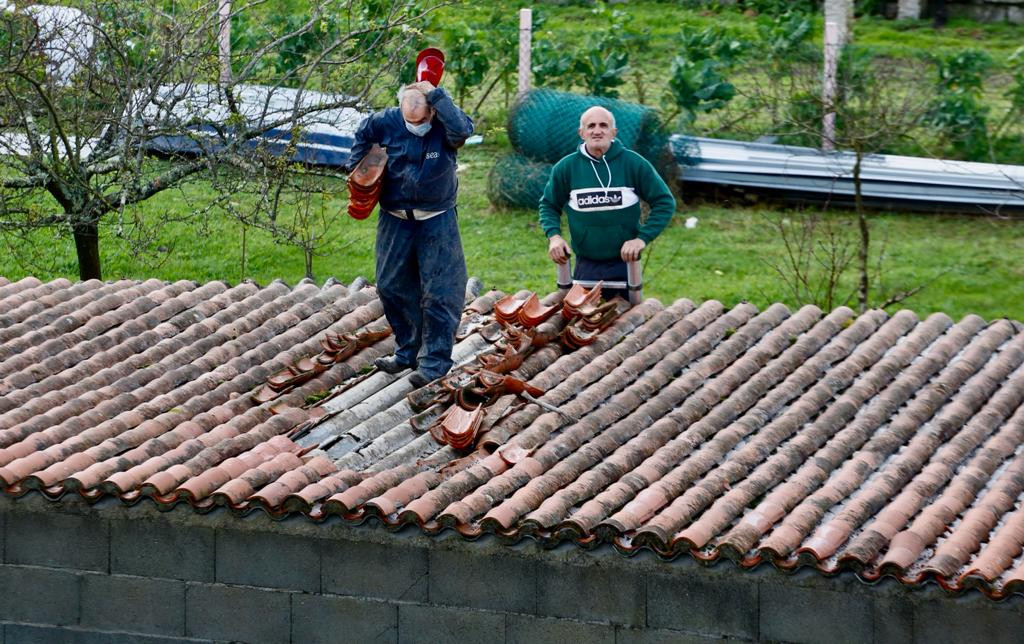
(418, 130)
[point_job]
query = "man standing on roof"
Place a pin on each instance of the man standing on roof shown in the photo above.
(421, 269)
(600, 186)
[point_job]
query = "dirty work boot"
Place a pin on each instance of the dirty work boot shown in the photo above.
(391, 364)
(418, 379)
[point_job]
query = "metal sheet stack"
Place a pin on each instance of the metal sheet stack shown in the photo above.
(886, 180)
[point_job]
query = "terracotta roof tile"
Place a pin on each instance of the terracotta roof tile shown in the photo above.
(11, 295)
(887, 446)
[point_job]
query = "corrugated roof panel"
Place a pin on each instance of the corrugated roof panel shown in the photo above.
(892, 178)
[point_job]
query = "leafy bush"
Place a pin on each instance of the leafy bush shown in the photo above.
(696, 82)
(552, 66)
(868, 7)
(1007, 146)
(696, 87)
(466, 59)
(784, 41)
(600, 66)
(780, 7)
(600, 70)
(802, 118)
(957, 111)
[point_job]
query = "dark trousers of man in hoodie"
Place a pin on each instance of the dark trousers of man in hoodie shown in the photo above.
(588, 271)
(421, 281)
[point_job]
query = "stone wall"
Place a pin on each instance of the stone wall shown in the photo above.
(71, 572)
(989, 10)
(981, 10)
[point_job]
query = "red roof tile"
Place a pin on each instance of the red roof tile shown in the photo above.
(883, 445)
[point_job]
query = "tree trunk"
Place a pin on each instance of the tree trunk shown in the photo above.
(908, 10)
(87, 245)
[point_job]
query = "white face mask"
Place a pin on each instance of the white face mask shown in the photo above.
(418, 130)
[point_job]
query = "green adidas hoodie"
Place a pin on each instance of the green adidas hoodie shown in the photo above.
(601, 198)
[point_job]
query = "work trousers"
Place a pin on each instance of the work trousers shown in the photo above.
(610, 270)
(421, 281)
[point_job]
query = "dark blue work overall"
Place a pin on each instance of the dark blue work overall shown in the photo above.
(421, 269)
(421, 280)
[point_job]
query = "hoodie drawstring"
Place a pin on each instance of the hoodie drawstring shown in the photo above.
(599, 182)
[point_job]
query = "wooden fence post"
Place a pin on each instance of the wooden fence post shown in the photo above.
(828, 92)
(224, 40)
(908, 10)
(525, 36)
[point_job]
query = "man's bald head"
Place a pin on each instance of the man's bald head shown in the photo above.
(597, 110)
(413, 103)
(597, 129)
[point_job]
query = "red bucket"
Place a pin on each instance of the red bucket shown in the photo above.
(430, 66)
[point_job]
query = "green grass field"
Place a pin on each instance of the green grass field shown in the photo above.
(968, 264)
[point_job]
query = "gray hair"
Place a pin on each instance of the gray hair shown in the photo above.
(592, 107)
(409, 88)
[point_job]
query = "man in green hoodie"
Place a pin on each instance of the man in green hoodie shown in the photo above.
(600, 187)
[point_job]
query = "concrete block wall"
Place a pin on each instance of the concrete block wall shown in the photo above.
(110, 573)
(1011, 11)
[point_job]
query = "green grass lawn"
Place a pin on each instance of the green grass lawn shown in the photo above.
(970, 264)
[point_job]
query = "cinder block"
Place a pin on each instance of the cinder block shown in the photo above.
(330, 619)
(893, 615)
(157, 549)
(527, 629)
(492, 582)
(57, 540)
(39, 595)
(796, 614)
(269, 560)
(439, 625)
(719, 606)
(969, 618)
(597, 594)
(980, 13)
(375, 570)
(24, 634)
(135, 604)
(625, 635)
(218, 612)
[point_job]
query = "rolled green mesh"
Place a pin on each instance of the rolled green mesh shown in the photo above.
(517, 182)
(543, 125)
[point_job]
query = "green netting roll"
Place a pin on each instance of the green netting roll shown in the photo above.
(543, 125)
(517, 182)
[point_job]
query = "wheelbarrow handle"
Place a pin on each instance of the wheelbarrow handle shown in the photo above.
(634, 279)
(635, 282)
(564, 281)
